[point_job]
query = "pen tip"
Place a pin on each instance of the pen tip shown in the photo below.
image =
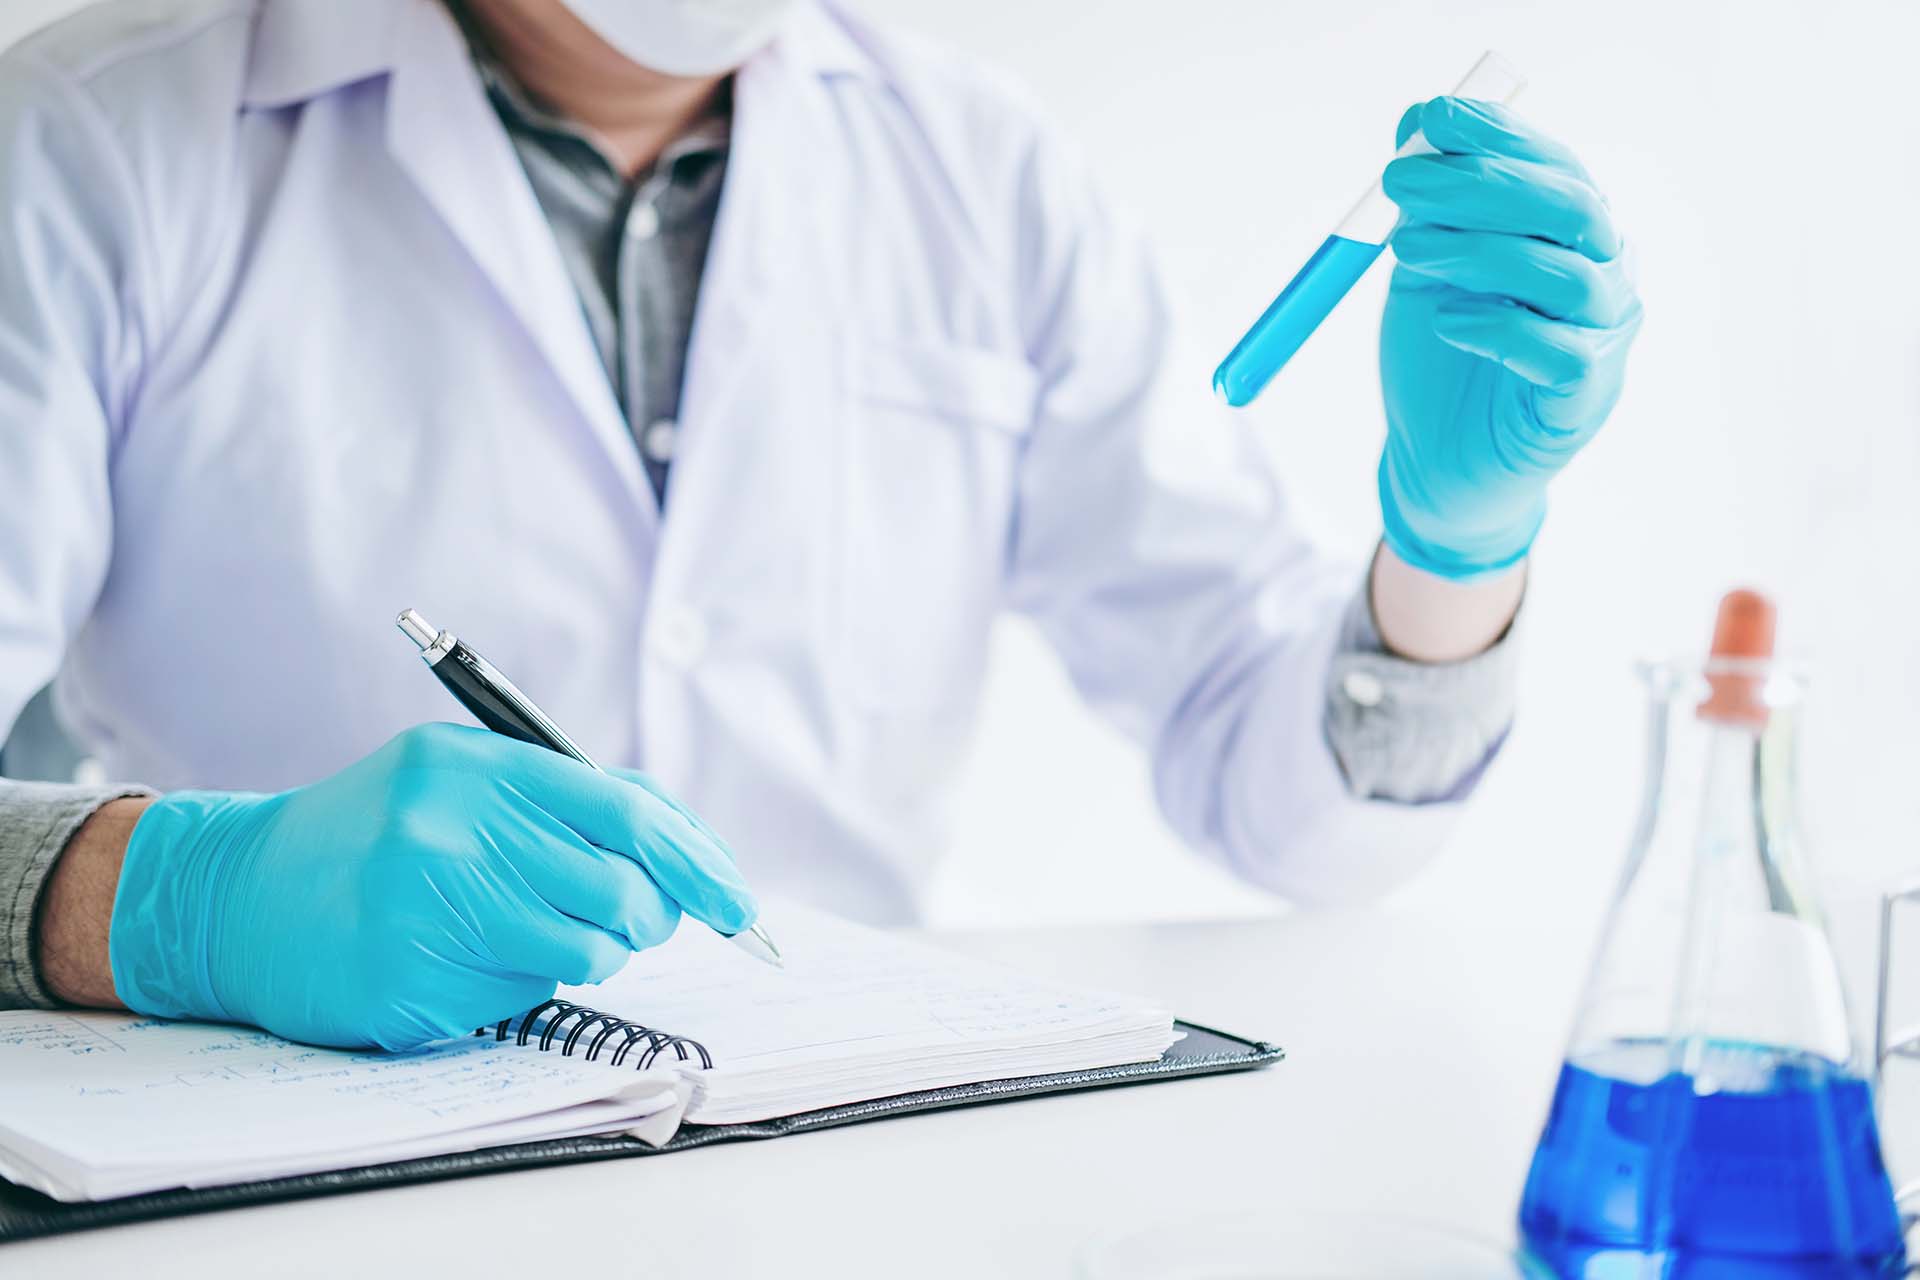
(756, 942)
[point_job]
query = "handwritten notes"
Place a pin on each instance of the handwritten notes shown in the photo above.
(114, 1092)
(148, 1056)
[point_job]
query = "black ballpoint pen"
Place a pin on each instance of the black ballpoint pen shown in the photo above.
(502, 708)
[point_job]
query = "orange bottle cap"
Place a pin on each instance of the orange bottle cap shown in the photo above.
(1742, 643)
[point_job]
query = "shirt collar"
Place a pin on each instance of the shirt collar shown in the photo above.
(304, 49)
(708, 134)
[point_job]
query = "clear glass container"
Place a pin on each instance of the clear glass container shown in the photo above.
(1713, 1116)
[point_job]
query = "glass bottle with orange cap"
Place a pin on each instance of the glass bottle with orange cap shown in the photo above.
(1713, 1117)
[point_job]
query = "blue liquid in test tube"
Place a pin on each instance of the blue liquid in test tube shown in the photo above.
(1337, 265)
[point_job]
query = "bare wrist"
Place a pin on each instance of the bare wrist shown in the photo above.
(1428, 618)
(76, 908)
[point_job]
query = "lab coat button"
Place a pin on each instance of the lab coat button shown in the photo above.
(680, 637)
(657, 441)
(1363, 688)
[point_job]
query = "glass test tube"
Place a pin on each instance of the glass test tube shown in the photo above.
(1341, 259)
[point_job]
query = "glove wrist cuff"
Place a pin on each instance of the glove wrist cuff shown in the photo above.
(1457, 556)
(174, 883)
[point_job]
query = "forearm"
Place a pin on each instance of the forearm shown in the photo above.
(38, 823)
(76, 908)
(1426, 618)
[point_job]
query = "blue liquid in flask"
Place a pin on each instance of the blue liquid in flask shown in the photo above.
(1763, 1164)
(1292, 317)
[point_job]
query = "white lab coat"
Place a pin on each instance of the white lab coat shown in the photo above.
(286, 346)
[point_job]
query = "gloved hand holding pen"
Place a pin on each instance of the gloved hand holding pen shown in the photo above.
(445, 881)
(1505, 337)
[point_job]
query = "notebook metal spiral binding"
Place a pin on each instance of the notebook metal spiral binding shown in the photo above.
(574, 1021)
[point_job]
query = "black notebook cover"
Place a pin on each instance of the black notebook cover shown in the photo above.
(25, 1214)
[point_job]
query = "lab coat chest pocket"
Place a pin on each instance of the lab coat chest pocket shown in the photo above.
(932, 451)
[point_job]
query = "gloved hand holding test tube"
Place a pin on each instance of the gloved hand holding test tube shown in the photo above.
(1337, 265)
(1503, 344)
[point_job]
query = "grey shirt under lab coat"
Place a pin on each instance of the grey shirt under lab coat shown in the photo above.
(1401, 730)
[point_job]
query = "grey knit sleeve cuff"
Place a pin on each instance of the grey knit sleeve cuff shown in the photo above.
(1415, 732)
(36, 821)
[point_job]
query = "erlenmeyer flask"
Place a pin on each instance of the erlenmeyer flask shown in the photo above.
(1713, 1118)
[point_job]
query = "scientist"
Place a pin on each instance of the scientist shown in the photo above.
(721, 368)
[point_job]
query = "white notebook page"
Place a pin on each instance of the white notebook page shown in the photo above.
(858, 1014)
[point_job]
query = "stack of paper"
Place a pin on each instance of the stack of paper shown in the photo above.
(861, 1014)
(96, 1105)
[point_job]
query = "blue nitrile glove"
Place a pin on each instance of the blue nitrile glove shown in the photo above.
(446, 881)
(1505, 337)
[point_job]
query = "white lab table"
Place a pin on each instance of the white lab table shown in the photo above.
(1420, 1061)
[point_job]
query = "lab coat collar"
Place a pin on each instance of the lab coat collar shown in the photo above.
(443, 132)
(747, 380)
(305, 48)
(815, 42)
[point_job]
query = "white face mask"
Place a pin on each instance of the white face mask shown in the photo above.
(684, 37)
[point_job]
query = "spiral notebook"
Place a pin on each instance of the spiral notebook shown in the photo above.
(695, 1038)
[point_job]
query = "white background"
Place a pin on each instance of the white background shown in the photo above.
(1761, 157)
